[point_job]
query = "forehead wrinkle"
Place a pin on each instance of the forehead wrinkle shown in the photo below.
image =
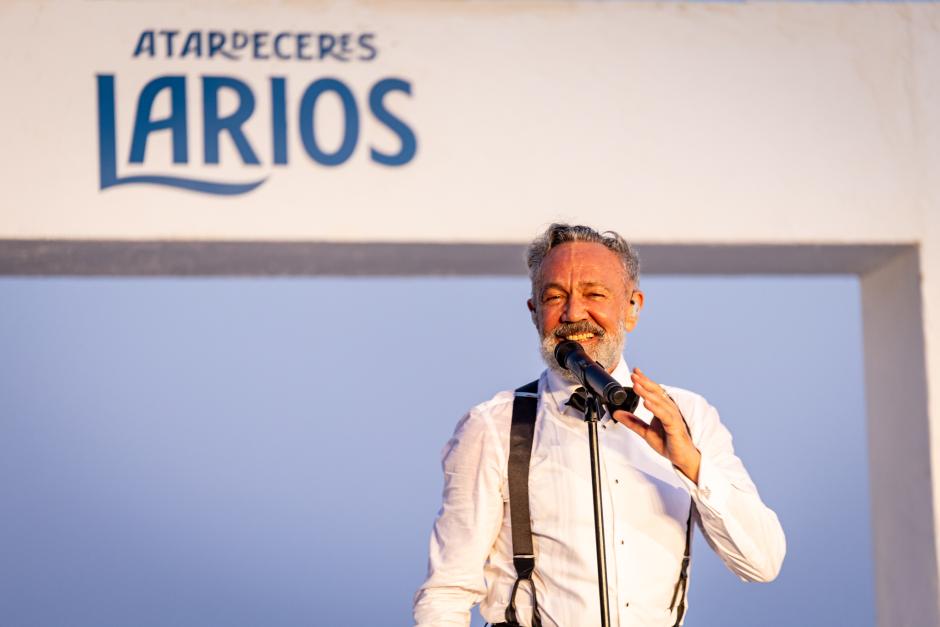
(542, 287)
(565, 254)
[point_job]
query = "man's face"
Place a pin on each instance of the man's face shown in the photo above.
(582, 294)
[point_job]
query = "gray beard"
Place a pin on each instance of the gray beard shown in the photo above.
(607, 352)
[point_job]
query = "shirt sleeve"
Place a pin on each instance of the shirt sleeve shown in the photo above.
(744, 532)
(467, 524)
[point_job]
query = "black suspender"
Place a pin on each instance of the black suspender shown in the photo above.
(683, 581)
(521, 435)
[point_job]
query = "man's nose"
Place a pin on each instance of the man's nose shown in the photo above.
(575, 309)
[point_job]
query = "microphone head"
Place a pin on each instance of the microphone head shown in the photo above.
(564, 350)
(618, 396)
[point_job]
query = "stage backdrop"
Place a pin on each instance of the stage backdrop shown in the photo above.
(702, 125)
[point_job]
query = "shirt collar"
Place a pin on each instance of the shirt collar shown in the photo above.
(559, 389)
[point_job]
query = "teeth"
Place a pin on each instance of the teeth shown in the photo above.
(580, 337)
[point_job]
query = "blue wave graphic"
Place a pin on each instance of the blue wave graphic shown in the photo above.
(206, 187)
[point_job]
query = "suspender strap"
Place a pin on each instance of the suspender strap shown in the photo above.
(521, 434)
(683, 581)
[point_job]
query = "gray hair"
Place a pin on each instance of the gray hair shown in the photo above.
(558, 234)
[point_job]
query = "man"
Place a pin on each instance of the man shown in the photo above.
(663, 466)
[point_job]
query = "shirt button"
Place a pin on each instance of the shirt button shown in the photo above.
(706, 492)
(617, 481)
(621, 542)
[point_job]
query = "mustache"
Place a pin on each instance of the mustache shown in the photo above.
(573, 328)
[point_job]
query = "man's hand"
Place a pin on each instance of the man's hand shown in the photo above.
(666, 433)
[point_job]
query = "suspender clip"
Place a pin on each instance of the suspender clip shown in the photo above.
(524, 564)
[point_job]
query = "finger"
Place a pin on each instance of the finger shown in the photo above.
(671, 424)
(654, 399)
(666, 410)
(649, 388)
(645, 391)
(639, 375)
(658, 427)
(631, 422)
(654, 433)
(663, 407)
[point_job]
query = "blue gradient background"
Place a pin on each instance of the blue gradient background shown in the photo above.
(264, 452)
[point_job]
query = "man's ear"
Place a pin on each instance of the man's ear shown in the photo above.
(633, 310)
(531, 307)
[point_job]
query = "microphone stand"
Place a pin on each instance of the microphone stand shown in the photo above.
(592, 414)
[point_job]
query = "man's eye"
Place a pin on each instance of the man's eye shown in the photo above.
(552, 298)
(597, 295)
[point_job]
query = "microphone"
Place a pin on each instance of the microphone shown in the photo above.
(571, 356)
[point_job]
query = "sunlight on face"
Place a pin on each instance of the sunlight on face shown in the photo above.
(582, 294)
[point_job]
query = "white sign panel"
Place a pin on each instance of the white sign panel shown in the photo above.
(462, 121)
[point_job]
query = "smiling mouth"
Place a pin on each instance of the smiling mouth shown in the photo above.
(579, 337)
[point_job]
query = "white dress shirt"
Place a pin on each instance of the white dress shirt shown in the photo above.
(645, 501)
